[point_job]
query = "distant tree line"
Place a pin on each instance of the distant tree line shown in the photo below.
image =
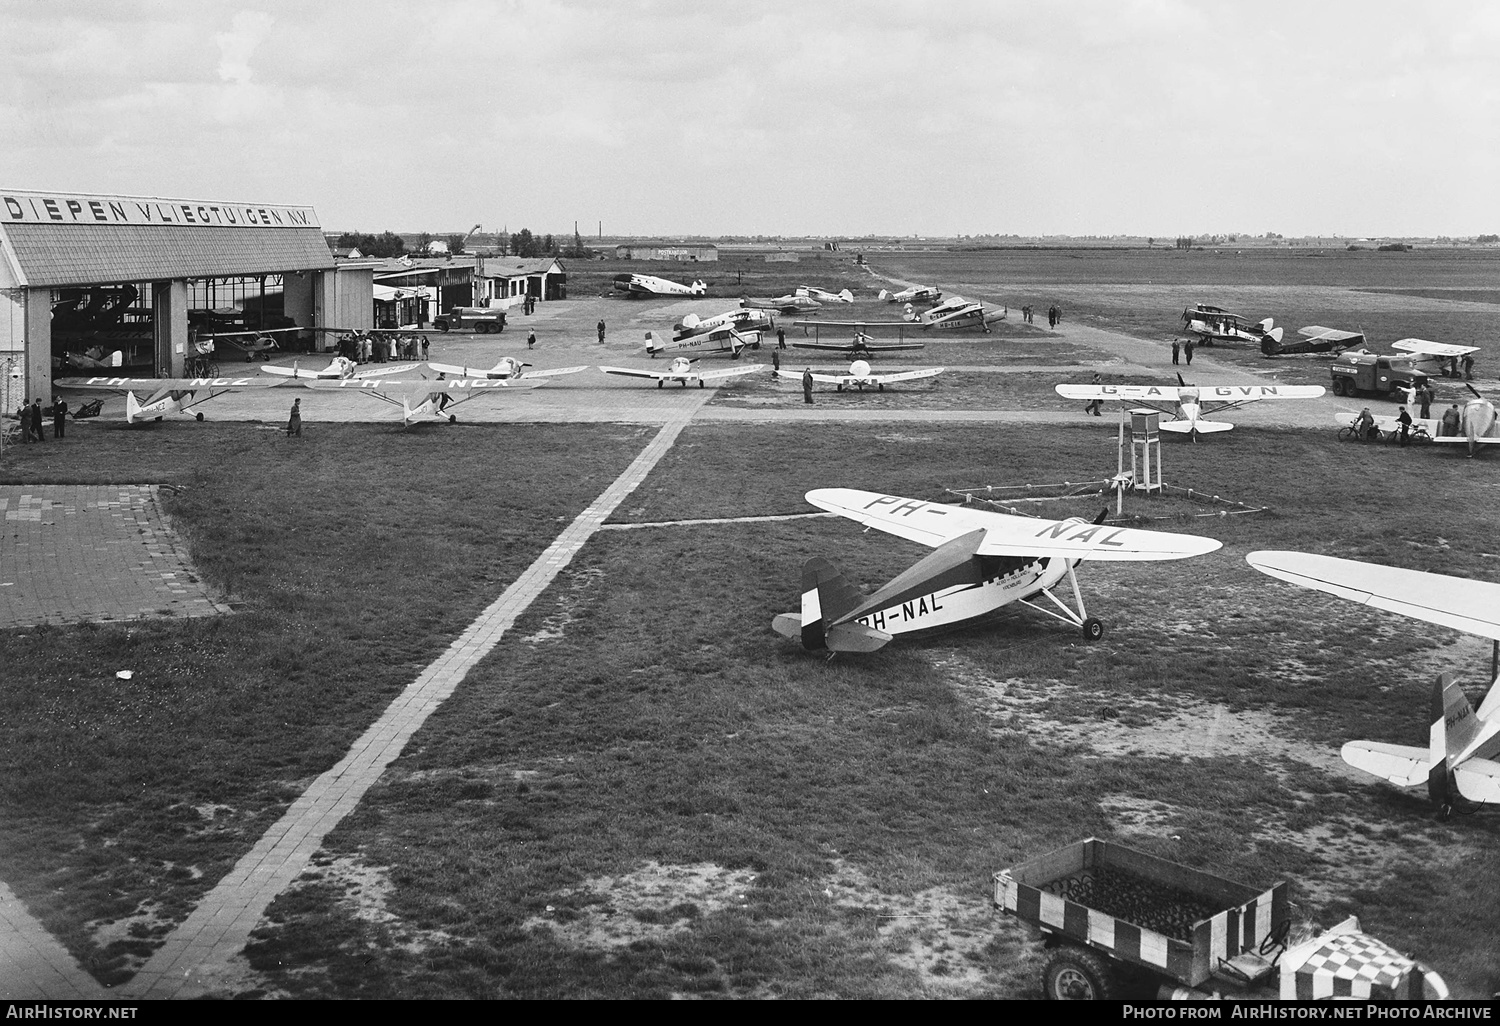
(386, 244)
(526, 245)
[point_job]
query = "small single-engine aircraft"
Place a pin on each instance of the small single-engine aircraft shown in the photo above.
(1435, 359)
(340, 367)
(634, 285)
(1188, 404)
(720, 340)
(915, 294)
(1315, 339)
(92, 359)
(955, 312)
(861, 345)
(746, 319)
(165, 395)
(1461, 763)
(789, 304)
(681, 371)
(982, 561)
(250, 344)
(1478, 425)
(509, 368)
(859, 376)
(422, 398)
(823, 295)
(1212, 324)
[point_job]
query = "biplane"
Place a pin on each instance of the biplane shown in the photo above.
(1213, 324)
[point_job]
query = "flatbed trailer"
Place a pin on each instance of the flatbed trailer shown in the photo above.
(1102, 907)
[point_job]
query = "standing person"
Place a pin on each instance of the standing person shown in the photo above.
(601, 331)
(1051, 316)
(1059, 315)
(1187, 351)
(59, 416)
(1451, 417)
(807, 384)
(775, 360)
(294, 422)
(23, 419)
(531, 340)
(1468, 366)
(1176, 348)
(780, 338)
(1425, 397)
(1093, 407)
(36, 420)
(425, 345)
(1404, 419)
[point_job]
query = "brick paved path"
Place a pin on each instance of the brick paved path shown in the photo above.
(33, 963)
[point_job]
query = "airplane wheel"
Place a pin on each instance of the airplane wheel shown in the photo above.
(659, 384)
(1093, 630)
(700, 384)
(200, 418)
(452, 418)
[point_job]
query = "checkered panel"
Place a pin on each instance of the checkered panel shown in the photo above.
(1353, 965)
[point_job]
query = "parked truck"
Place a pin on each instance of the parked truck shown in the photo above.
(1359, 371)
(483, 319)
(1109, 913)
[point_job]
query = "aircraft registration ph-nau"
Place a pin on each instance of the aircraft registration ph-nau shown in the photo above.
(981, 561)
(648, 285)
(1461, 763)
(1186, 405)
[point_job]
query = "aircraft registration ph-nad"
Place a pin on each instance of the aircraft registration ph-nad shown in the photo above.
(981, 561)
(720, 340)
(1461, 763)
(1213, 324)
(165, 395)
(681, 371)
(1188, 404)
(915, 294)
(859, 376)
(634, 285)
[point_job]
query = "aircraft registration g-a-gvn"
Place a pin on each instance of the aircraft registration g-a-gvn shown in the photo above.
(915, 294)
(648, 285)
(1188, 404)
(1315, 339)
(508, 369)
(981, 561)
(681, 371)
(165, 395)
(861, 345)
(746, 319)
(420, 398)
(1461, 763)
(718, 340)
(824, 296)
(1212, 324)
(859, 376)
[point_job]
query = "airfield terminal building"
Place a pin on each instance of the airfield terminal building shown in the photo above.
(84, 277)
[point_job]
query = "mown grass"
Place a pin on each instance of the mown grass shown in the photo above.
(351, 560)
(644, 711)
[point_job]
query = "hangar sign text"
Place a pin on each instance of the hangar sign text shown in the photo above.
(40, 208)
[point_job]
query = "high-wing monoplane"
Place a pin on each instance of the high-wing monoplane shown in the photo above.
(1461, 763)
(165, 395)
(1315, 339)
(422, 398)
(1187, 405)
(981, 561)
(915, 294)
(681, 371)
(648, 285)
(746, 319)
(249, 344)
(859, 376)
(1212, 324)
(860, 346)
(1435, 359)
(824, 296)
(509, 368)
(957, 313)
(721, 340)
(789, 304)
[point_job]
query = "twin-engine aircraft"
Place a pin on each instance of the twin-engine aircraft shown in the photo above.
(1212, 324)
(1315, 339)
(788, 304)
(861, 345)
(509, 368)
(1461, 763)
(681, 371)
(746, 319)
(1186, 404)
(915, 294)
(823, 295)
(634, 285)
(981, 562)
(955, 312)
(165, 395)
(859, 376)
(720, 340)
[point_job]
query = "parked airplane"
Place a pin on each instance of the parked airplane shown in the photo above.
(915, 294)
(824, 296)
(861, 345)
(423, 398)
(1435, 359)
(634, 285)
(859, 376)
(982, 561)
(956, 312)
(1461, 763)
(1478, 425)
(1212, 324)
(722, 340)
(1315, 339)
(164, 395)
(509, 368)
(92, 359)
(789, 304)
(745, 319)
(250, 344)
(1187, 404)
(340, 367)
(681, 371)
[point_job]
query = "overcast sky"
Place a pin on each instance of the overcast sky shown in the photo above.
(804, 117)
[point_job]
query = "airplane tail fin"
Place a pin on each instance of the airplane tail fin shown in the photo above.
(846, 296)
(1453, 727)
(1274, 333)
(826, 596)
(690, 321)
(117, 359)
(132, 408)
(651, 346)
(884, 295)
(1267, 324)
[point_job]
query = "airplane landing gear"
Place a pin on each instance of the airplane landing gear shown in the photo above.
(452, 418)
(1093, 630)
(659, 383)
(200, 418)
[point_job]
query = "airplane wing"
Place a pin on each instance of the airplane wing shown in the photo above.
(1421, 345)
(729, 372)
(911, 375)
(1466, 605)
(1400, 764)
(163, 386)
(631, 372)
(852, 326)
(1318, 333)
(850, 347)
(1124, 393)
(933, 524)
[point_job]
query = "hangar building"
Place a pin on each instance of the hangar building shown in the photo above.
(86, 277)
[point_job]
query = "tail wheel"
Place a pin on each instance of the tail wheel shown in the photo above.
(1093, 629)
(1077, 974)
(452, 418)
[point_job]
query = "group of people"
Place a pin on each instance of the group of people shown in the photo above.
(31, 416)
(1054, 315)
(1180, 348)
(379, 347)
(1450, 424)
